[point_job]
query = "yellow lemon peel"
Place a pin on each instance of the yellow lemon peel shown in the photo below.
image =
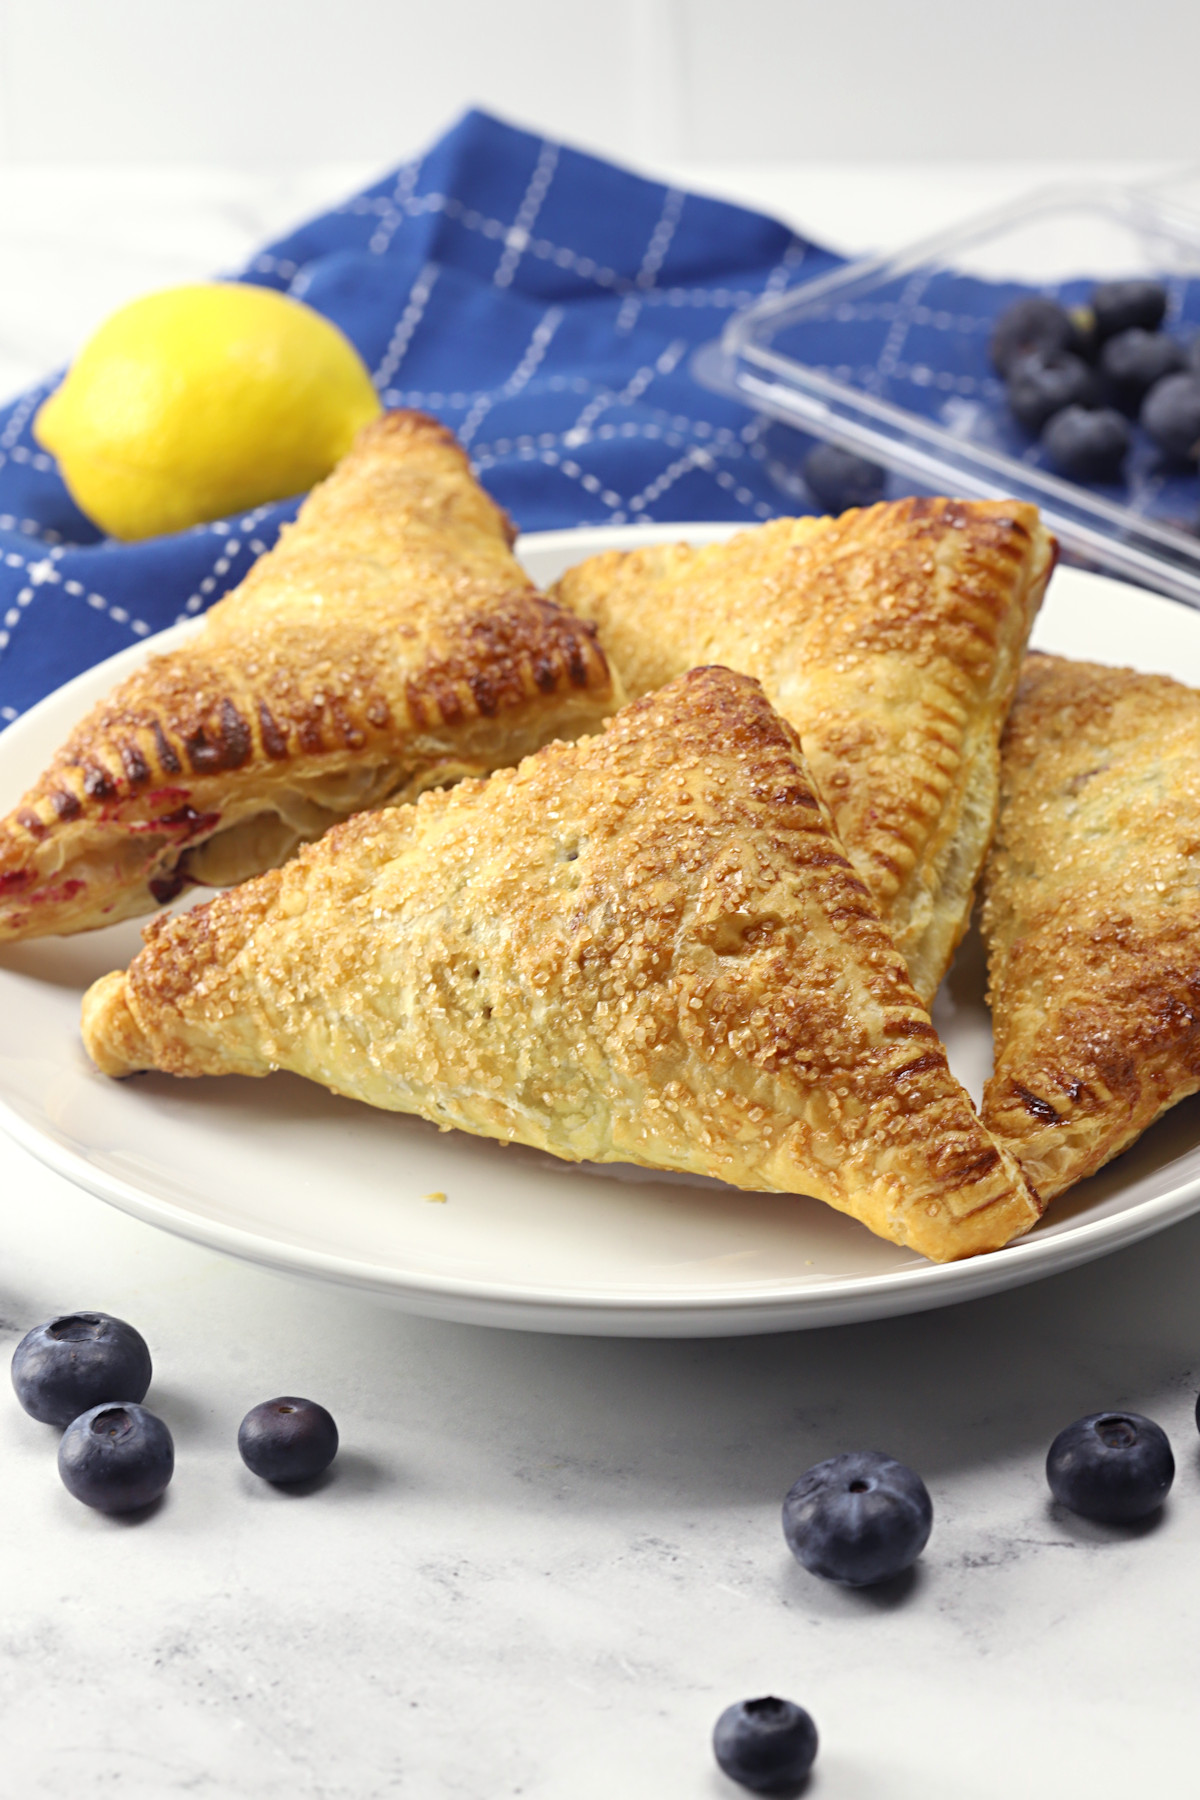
(200, 401)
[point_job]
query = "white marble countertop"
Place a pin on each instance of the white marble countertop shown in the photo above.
(543, 1566)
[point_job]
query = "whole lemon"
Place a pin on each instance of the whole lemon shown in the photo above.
(200, 401)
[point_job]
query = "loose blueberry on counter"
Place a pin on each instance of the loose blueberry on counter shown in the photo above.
(1041, 385)
(1171, 416)
(766, 1744)
(838, 479)
(67, 1364)
(1087, 446)
(1133, 361)
(1114, 1467)
(1120, 305)
(858, 1518)
(116, 1458)
(1033, 325)
(287, 1439)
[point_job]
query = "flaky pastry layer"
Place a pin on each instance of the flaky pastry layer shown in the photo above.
(1092, 915)
(891, 638)
(389, 643)
(647, 947)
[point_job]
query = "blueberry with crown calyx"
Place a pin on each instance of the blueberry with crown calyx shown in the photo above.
(116, 1458)
(1114, 1467)
(72, 1362)
(858, 1518)
(287, 1439)
(766, 1745)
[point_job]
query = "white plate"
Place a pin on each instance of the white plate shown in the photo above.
(282, 1173)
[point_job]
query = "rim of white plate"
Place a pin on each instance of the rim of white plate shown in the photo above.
(821, 1301)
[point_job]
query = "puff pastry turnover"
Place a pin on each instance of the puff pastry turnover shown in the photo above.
(1092, 915)
(389, 643)
(646, 947)
(891, 639)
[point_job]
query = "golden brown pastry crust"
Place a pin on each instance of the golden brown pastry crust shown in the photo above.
(389, 643)
(645, 947)
(1092, 915)
(891, 639)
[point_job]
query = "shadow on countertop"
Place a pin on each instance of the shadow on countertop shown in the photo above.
(736, 1419)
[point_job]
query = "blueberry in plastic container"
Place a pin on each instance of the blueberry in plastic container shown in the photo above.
(1120, 305)
(116, 1458)
(837, 479)
(1133, 361)
(1033, 325)
(1039, 386)
(766, 1745)
(1170, 415)
(1087, 446)
(287, 1439)
(1114, 1467)
(858, 1518)
(74, 1361)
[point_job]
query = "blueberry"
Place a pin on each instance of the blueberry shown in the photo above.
(1171, 416)
(1111, 1466)
(1133, 361)
(287, 1439)
(1041, 385)
(1087, 446)
(858, 1518)
(838, 480)
(1087, 338)
(765, 1744)
(61, 1368)
(1194, 354)
(116, 1458)
(1032, 325)
(1120, 305)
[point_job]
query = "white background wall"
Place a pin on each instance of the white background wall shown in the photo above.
(284, 82)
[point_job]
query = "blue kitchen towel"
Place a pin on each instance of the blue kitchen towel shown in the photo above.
(545, 304)
(541, 302)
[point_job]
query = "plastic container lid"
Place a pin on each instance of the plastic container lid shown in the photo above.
(888, 356)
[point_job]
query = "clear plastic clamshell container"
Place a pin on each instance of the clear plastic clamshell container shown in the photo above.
(888, 356)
